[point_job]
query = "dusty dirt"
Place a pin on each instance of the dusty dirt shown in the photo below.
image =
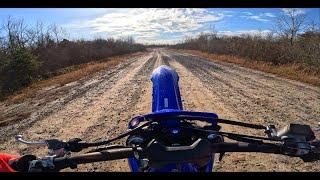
(99, 106)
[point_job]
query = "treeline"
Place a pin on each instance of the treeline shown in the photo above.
(287, 44)
(158, 45)
(305, 50)
(30, 53)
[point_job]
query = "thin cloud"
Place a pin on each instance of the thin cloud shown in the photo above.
(146, 24)
(258, 18)
(298, 11)
(248, 13)
(262, 17)
(269, 15)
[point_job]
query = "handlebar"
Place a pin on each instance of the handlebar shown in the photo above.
(159, 155)
(294, 140)
(105, 155)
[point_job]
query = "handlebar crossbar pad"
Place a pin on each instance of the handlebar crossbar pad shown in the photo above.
(160, 155)
(200, 150)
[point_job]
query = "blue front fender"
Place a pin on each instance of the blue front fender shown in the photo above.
(165, 93)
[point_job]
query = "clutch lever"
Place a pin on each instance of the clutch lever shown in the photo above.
(55, 146)
(19, 138)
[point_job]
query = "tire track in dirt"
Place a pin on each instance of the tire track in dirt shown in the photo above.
(254, 74)
(260, 99)
(258, 86)
(53, 99)
(118, 111)
(196, 97)
(142, 105)
(244, 103)
(223, 88)
(101, 112)
(68, 122)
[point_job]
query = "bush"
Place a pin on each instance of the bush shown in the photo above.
(35, 51)
(69, 53)
(18, 71)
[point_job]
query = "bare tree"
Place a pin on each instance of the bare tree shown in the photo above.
(39, 31)
(16, 33)
(58, 32)
(312, 26)
(290, 23)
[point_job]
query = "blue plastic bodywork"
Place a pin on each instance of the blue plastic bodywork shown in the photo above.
(165, 91)
(166, 103)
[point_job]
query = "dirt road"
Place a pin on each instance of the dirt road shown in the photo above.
(100, 105)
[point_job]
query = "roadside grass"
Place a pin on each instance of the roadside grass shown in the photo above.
(291, 71)
(68, 75)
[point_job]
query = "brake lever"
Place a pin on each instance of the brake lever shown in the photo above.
(318, 128)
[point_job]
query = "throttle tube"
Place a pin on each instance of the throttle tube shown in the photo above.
(247, 147)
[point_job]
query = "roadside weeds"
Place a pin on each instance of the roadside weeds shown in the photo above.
(290, 71)
(69, 75)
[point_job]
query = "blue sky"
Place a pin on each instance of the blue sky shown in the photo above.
(154, 25)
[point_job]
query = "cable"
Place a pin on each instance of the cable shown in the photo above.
(248, 136)
(91, 144)
(108, 147)
(238, 123)
(233, 135)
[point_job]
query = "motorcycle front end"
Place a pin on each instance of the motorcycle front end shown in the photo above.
(166, 99)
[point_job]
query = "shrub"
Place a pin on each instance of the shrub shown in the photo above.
(18, 71)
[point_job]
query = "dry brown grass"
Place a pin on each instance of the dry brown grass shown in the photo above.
(290, 71)
(76, 73)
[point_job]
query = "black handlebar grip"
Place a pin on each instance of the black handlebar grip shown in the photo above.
(22, 164)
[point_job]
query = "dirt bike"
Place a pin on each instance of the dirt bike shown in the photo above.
(169, 140)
